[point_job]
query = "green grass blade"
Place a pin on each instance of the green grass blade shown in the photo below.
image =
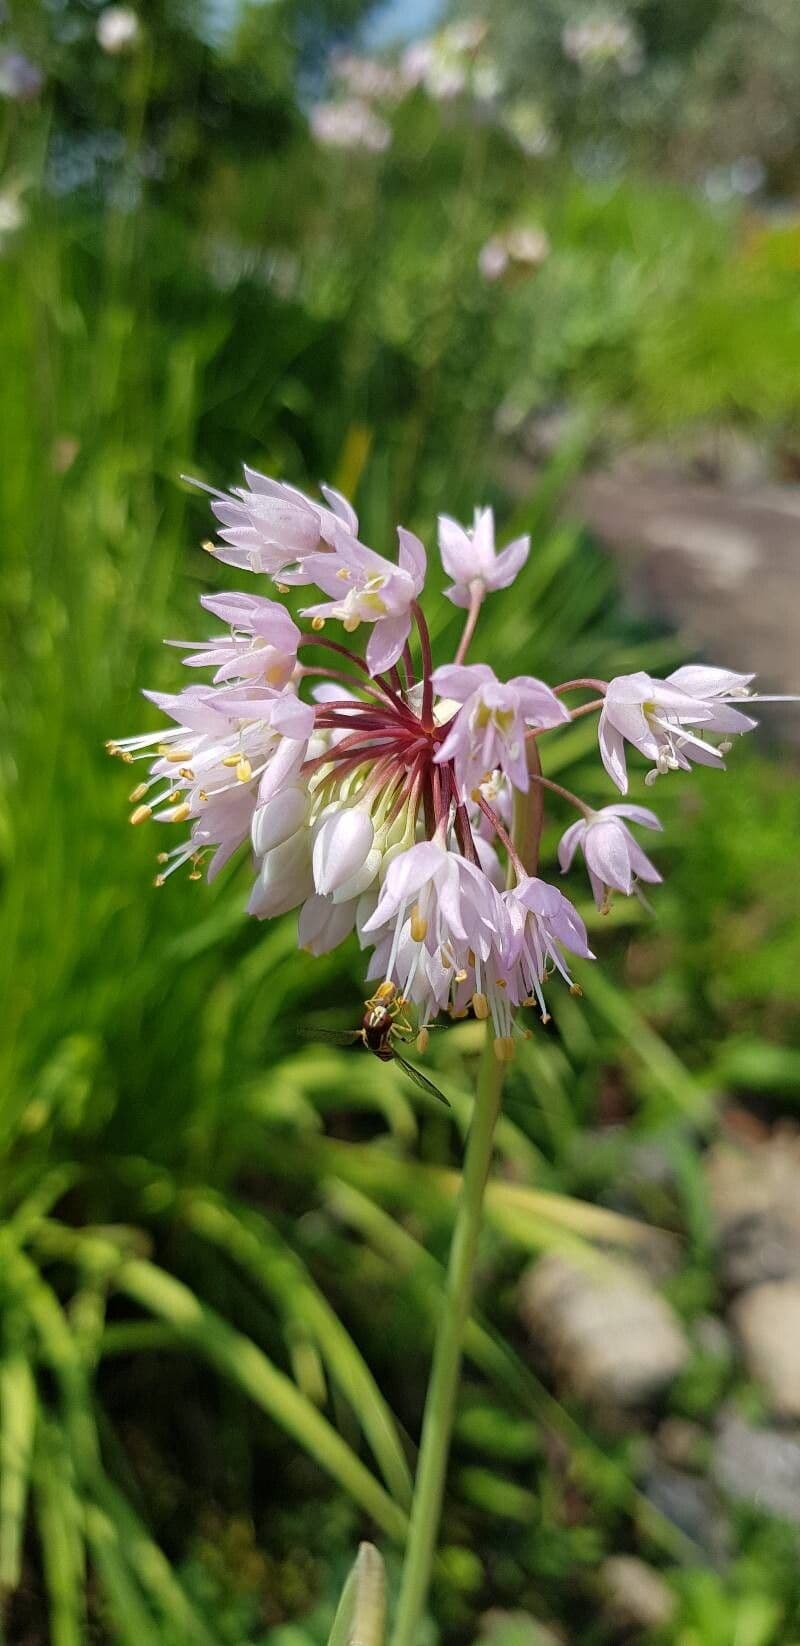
(59, 1517)
(18, 1404)
(240, 1360)
(134, 1622)
(493, 1356)
(668, 1075)
(252, 1242)
(152, 1568)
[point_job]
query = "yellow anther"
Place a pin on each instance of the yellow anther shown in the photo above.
(275, 675)
(111, 748)
(419, 925)
(138, 793)
(181, 813)
(126, 756)
(343, 574)
(576, 989)
(457, 1015)
(501, 983)
(187, 773)
(244, 770)
(471, 956)
(385, 991)
(208, 546)
(175, 756)
(527, 1034)
(422, 1041)
(159, 880)
(203, 795)
(475, 794)
(503, 1048)
(173, 798)
(480, 1006)
(461, 977)
(351, 623)
(231, 759)
(282, 588)
(162, 857)
(317, 623)
(142, 814)
(195, 875)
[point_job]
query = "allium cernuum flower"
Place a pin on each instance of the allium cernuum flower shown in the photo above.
(489, 730)
(381, 796)
(614, 859)
(468, 556)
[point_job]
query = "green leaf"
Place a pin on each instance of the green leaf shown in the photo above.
(18, 1404)
(60, 1522)
(252, 1242)
(240, 1360)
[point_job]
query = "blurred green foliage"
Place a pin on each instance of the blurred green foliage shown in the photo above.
(221, 1255)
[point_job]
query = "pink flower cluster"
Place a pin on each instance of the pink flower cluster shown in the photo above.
(377, 792)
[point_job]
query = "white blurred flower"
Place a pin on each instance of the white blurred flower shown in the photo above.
(351, 124)
(366, 77)
(524, 249)
(118, 30)
(603, 41)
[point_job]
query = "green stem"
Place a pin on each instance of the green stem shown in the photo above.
(443, 1386)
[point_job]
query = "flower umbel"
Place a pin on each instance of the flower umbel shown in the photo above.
(377, 793)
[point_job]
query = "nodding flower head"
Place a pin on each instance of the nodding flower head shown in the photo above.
(385, 797)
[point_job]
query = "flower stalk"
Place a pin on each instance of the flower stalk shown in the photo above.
(440, 1403)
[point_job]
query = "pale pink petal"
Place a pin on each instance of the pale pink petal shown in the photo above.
(386, 642)
(509, 562)
(612, 753)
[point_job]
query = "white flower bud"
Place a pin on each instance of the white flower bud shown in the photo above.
(284, 878)
(341, 847)
(281, 817)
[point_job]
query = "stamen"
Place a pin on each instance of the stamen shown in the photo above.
(317, 623)
(503, 1048)
(138, 793)
(419, 925)
(480, 1006)
(142, 814)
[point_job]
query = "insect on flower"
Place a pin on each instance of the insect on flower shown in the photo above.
(385, 1020)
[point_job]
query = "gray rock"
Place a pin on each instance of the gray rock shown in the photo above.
(760, 1467)
(636, 1596)
(689, 1503)
(767, 1320)
(756, 1208)
(608, 1334)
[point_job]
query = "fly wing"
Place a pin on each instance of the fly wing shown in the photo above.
(331, 1037)
(422, 1080)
